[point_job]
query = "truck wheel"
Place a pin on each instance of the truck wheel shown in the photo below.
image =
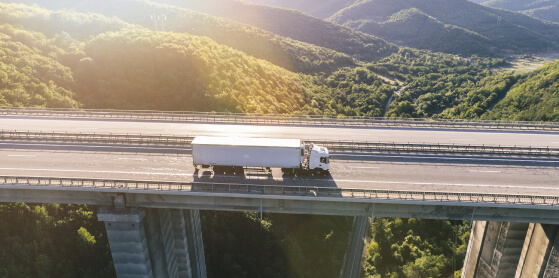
(318, 172)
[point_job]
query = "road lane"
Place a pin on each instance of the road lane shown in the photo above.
(400, 135)
(364, 174)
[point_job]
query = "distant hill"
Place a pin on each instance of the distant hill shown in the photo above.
(542, 9)
(295, 25)
(501, 30)
(319, 8)
(287, 53)
(533, 98)
(411, 27)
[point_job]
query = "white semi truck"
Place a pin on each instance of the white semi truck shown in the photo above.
(233, 154)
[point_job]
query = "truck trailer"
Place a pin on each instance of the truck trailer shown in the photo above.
(234, 154)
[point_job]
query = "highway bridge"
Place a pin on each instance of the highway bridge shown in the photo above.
(137, 167)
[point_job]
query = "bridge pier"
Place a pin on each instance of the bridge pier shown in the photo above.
(507, 249)
(155, 242)
(354, 254)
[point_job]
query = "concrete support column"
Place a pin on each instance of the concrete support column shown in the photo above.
(354, 255)
(155, 242)
(195, 242)
(127, 239)
(495, 249)
(474, 249)
(540, 254)
(181, 243)
(161, 242)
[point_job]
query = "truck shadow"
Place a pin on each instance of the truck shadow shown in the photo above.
(261, 181)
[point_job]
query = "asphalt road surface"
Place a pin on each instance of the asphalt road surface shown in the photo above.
(399, 135)
(392, 172)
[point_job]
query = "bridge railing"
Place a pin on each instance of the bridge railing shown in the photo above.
(254, 118)
(96, 138)
(464, 198)
(335, 146)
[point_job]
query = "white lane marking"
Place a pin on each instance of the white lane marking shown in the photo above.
(447, 158)
(22, 155)
(478, 171)
(133, 159)
(104, 146)
(94, 171)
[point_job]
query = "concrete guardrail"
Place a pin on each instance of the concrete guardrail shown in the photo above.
(550, 202)
(334, 146)
(276, 119)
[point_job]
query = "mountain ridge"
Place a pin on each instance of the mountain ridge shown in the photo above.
(546, 10)
(506, 31)
(296, 25)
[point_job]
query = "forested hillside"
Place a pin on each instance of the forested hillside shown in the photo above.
(287, 53)
(442, 85)
(546, 9)
(414, 28)
(505, 31)
(141, 69)
(535, 97)
(28, 76)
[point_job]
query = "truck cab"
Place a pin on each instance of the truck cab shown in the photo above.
(319, 159)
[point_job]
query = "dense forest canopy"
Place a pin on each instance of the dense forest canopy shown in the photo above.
(442, 85)
(80, 26)
(141, 69)
(534, 97)
(29, 75)
(416, 248)
(153, 55)
(53, 240)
